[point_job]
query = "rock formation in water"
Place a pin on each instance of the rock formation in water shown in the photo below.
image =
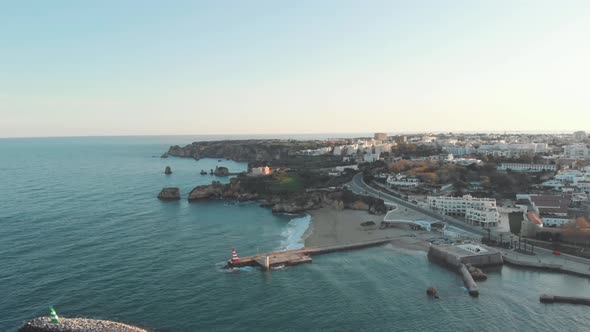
(221, 171)
(165, 155)
(44, 324)
(168, 170)
(169, 194)
(288, 202)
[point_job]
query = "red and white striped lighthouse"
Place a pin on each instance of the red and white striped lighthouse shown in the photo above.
(234, 255)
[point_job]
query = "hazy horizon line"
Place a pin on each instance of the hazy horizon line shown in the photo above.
(337, 134)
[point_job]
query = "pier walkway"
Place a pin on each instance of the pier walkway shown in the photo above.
(544, 259)
(299, 256)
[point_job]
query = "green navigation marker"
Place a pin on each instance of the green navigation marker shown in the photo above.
(53, 315)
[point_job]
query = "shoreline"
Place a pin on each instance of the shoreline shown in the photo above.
(330, 227)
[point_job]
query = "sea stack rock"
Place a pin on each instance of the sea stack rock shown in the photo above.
(44, 324)
(168, 170)
(221, 171)
(165, 155)
(169, 194)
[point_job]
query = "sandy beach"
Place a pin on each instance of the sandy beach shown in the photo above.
(333, 227)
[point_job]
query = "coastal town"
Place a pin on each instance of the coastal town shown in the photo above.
(471, 201)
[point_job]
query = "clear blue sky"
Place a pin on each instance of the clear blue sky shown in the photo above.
(239, 67)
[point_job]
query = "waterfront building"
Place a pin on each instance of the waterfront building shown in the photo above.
(477, 211)
(527, 168)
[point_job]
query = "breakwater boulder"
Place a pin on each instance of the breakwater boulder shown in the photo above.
(169, 194)
(44, 324)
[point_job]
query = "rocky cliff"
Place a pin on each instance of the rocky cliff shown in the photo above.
(243, 150)
(291, 202)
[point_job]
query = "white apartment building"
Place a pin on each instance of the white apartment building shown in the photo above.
(316, 152)
(514, 149)
(400, 180)
(528, 168)
(576, 151)
(369, 158)
(458, 150)
(477, 211)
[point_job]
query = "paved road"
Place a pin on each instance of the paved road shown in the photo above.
(358, 186)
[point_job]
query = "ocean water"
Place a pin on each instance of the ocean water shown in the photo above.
(81, 229)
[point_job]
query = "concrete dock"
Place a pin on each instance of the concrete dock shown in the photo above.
(545, 298)
(459, 256)
(296, 257)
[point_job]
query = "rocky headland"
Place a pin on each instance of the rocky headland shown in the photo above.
(243, 188)
(243, 150)
(44, 324)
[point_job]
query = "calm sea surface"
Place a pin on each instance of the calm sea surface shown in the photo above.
(81, 229)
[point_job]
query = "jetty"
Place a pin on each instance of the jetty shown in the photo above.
(295, 257)
(545, 298)
(460, 256)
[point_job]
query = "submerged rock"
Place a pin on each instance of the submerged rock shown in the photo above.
(168, 170)
(432, 291)
(44, 324)
(169, 194)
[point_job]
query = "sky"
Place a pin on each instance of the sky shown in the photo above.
(88, 68)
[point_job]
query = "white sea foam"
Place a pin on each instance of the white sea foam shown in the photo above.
(294, 232)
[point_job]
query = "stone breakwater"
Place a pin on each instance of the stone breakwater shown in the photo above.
(292, 202)
(44, 324)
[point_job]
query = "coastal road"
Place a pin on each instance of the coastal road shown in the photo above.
(358, 186)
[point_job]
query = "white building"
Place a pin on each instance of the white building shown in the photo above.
(512, 150)
(458, 150)
(576, 151)
(528, 168)
(477, 211)
(316, 152)
(259, 171)
(369, 158)
(465, 161)
(400, 180)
